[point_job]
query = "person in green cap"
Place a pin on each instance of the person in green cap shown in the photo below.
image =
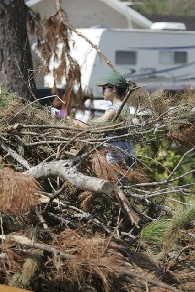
(114, 87)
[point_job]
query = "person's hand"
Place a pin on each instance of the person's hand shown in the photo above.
(77, 123)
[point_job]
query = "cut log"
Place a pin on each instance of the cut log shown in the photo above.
(66, 169)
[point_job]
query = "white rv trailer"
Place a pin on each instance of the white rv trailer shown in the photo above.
(155, 58)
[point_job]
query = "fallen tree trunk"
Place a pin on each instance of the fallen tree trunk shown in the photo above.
(68, 171)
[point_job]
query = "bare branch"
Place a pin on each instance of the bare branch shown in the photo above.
(65, 169)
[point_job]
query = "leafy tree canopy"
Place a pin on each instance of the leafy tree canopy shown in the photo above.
(166, 7)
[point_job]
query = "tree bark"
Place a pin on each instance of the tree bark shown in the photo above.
(15, 54)
(65, 169)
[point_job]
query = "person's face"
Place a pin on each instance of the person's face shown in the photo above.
(108, 92)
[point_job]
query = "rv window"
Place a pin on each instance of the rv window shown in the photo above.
(124, 57)
(180, 57)
(170, 57)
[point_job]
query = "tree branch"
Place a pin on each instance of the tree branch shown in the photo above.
(65, 169)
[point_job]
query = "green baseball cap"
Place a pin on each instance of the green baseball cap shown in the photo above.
(113, 78)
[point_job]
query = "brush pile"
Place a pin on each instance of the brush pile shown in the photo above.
(70, 221)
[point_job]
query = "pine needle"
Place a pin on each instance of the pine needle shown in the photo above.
(18, 192)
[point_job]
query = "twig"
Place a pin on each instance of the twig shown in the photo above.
(124, 102)
(26, 241)
(147, 280)
(55, 195)
(180, 161)
(153, 184)
(112, 235)
(16, 156)
(59, 10)
(155, 193)
(85, 215)
(45, 226)
(126, 207)
(177, 256)
(46, 97)
(82, 133)
(28, 81)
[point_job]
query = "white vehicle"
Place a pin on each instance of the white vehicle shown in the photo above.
(162, 57)
(155, 58)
